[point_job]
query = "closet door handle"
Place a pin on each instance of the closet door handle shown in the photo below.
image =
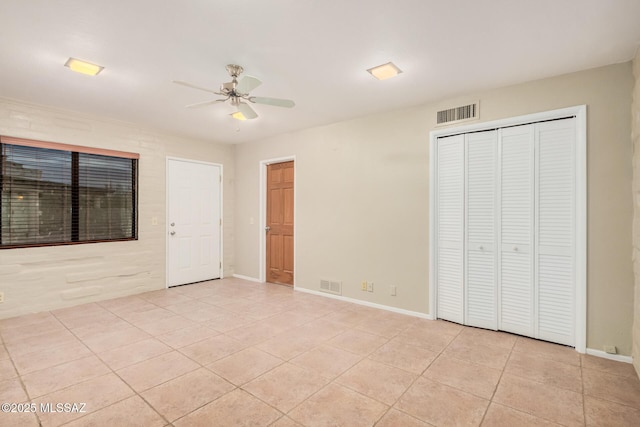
(481, 248)
(515, 248)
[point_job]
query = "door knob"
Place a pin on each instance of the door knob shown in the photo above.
(267, 228)
(515, 248)
(172, 233)
(481, 248)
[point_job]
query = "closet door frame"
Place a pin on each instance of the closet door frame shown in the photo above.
(580, 114)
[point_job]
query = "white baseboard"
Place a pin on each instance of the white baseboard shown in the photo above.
(250, 279)
(366, 303)
(605, 355)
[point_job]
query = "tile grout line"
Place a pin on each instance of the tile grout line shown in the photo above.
(420, 376)
(87, 347)
(139, 394)
(86, 380)
(600, 398)
(288, 361)
(135, 393)
(240, 387)
(179, 376)
(513, 350)
(20, 380)
(331, 381)
(64, 388)
(502, 371)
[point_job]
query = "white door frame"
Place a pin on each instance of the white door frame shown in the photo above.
(263, 215)
(580, 113)
(221, 166)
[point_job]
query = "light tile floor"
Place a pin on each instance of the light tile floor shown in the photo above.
(231, 352)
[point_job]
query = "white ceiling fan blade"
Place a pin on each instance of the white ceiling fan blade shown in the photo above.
(247, 83)
(203, 104)
(287, 103)
(247, 111)
(192, 86)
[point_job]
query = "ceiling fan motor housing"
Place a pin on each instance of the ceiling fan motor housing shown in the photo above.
(228, 87)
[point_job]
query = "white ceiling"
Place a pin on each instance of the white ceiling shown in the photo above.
(314, 52)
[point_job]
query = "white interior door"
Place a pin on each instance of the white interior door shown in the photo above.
(481, 277)
(450, 228)
(556, 230)
(516, 282)
(193, 222)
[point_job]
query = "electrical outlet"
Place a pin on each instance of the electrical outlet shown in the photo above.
(363, 286)
(370, 286)
(611, 349)
(1, 297)
(154, 220)
(392, 290)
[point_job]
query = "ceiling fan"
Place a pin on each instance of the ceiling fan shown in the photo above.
(237, 91)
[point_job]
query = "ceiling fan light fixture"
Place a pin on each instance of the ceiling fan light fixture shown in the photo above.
(238, 116)
(83, 67)
(385, 71)
(237, 93)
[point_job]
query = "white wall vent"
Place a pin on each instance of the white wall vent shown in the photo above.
(331, 287)
(463, 113)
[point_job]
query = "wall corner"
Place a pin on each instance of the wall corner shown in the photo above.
(635, 140)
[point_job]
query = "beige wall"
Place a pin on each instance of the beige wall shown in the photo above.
(635, 136)
(36, 279)
(362, 197)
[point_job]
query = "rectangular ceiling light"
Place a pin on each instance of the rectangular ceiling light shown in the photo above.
(83, 67)
(385, 71)
(238, 116)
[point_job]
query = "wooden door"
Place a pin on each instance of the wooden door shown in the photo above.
(279, 224)
(193, 226)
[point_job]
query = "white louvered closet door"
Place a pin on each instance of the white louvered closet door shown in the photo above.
(481, 277)
(555, 230)
(450, 228)
(516, 280)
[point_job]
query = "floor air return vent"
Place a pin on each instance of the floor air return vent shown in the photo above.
(331, 287)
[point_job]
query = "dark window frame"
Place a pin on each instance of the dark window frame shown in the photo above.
(76, 208)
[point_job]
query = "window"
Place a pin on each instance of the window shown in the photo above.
(63, 194)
